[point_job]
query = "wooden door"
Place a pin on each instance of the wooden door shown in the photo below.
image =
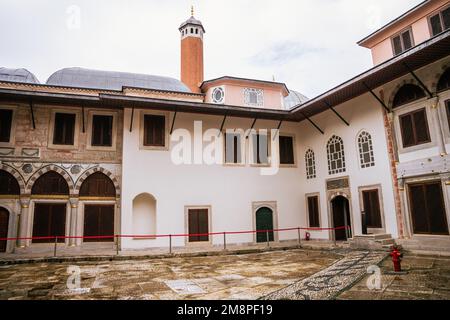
(198, 224)
(4, 222)
(98, 221)
(264, 221)
(371, 204)
(428, 208)
(341, 217)
(49, 220)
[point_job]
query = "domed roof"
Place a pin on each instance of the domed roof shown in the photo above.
(111, 80)
(294, 98)
(17, 75)
(192, 21)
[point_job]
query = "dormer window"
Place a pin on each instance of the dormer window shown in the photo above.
(440, 21)
(402, 42)
(253, 97)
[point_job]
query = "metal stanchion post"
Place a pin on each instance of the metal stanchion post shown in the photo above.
(117, 244)
(170, 243)
(56, 243)
(334, 236)
(268, 241)
(224, 241)
(299, 237)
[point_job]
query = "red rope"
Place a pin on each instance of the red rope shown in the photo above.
(169, 235)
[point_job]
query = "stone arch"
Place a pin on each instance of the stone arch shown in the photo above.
(90, 171)
(398, 87)
(339, 194)
(16, 174)
(46, 169)
(438, 76)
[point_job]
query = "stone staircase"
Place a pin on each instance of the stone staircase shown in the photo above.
(372, 241)
(427, 243)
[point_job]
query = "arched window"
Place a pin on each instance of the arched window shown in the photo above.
(365, 147)
(336, 157)
(98, 185)
(444, 81)
(406, 94)
(50, 183)
(8, 184)
(310, 162)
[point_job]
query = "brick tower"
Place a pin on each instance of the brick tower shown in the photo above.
(192, 53)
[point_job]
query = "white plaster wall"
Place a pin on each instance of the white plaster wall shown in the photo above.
(144, 215)
(229, 190)
(363, 113)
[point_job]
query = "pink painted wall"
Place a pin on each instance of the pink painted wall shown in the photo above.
(380, 44)
(234, 93)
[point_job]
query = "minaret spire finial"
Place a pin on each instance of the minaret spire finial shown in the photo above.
(192, 10)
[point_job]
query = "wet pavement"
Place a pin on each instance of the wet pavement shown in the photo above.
(244, 276)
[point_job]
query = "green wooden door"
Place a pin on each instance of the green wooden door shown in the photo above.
(264, 221)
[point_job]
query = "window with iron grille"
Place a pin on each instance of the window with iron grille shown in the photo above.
(253, 97)
(310, 162)
(365, 150)
(335, 154)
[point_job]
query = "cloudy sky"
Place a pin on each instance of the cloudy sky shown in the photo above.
(308, 44)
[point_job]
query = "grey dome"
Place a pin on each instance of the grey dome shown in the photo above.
(17, 75)
(192, 21)
(111, 80)
(294, 99)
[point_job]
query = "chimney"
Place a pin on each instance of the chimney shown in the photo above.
(192, 53)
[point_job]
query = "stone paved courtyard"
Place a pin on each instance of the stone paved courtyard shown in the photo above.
(285, 274)
(245, 276)
(426, 278)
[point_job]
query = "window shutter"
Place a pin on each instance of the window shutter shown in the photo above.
(421, 126)
(154, 130)
(102, 130)
(436, 208)
(407, 40)
(313, 211)
(446, 18)
(64, 129)
(435, 22)
(397, 45)
(407, 130)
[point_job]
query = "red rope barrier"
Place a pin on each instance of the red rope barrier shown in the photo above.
(170, 235)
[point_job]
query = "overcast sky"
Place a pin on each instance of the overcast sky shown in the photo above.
(308, 44)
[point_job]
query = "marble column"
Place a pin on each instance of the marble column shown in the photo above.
(23, 222)
(73, 221)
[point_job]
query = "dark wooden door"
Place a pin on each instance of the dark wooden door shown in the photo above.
(428, 209)
(371, 202)
(341, 217)
(264, 221)
(98, 221)
(49, 220)
(198, 224)
(4, 221)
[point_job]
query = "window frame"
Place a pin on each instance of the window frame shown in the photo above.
(314, 175)
(186, 225)
(259, 97)
(253, 162)
(90, 123)
(12, 133)
(319, 218)
(166, 115)
(371, 163)
(243, 149)
(379, 188)
(410, 114)
(441, 20)
(294, 153)
(343, 169)
(76, 131)
(400, 34)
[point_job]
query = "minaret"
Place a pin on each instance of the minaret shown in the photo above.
(192, 53)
